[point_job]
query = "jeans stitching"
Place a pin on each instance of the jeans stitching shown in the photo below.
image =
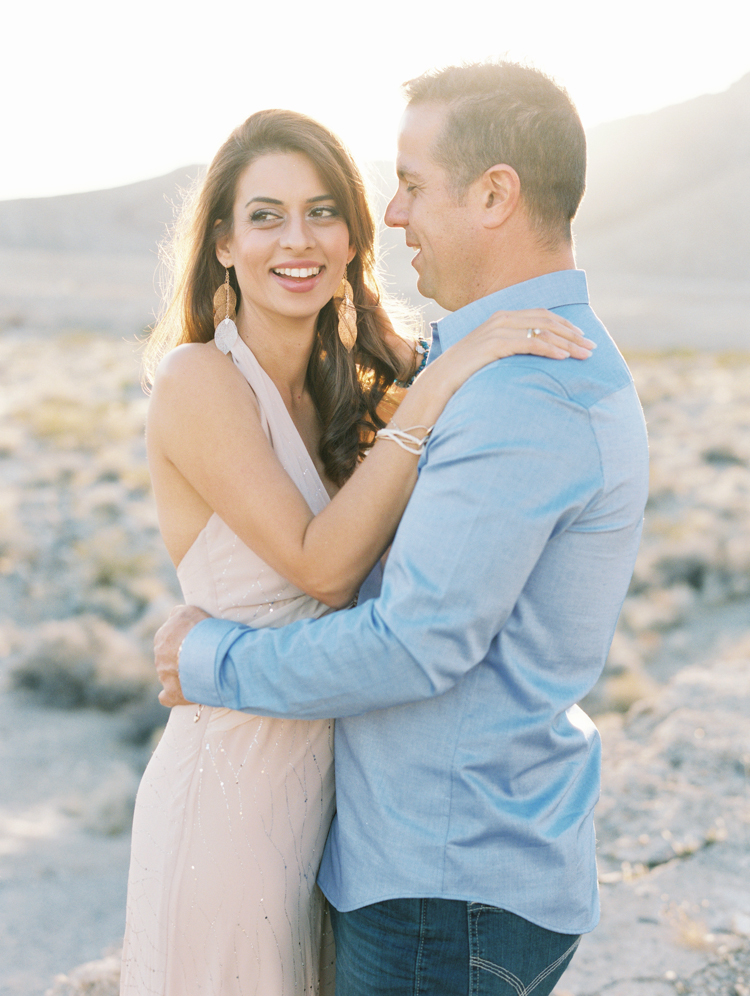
(514, 981)
(555, 964)
(420, 947)
(473, 973)
(502, 973)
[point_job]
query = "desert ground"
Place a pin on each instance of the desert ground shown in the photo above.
(84, 582)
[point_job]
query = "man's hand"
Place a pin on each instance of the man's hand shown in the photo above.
(167, 643)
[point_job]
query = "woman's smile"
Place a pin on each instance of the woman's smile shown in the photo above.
(298, 277)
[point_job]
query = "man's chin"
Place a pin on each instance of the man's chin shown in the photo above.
(424, 288)
(432, 293)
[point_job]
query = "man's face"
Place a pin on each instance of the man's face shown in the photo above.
(443, 230)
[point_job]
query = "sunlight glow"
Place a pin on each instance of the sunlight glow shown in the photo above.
(121, 94)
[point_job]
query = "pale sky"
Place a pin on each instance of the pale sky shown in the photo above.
(100, 94)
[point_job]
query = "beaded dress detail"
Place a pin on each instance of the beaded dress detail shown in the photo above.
(233, 810)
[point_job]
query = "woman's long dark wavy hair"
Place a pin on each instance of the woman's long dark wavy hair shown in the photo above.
(346, 387)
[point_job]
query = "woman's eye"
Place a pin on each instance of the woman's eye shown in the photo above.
(263, 215)
(325, 211)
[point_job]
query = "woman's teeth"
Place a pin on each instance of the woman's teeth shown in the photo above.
(295, 271)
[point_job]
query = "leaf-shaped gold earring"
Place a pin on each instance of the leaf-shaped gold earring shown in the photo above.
(343, 299)
(225, 305)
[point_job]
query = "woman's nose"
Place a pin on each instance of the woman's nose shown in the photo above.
(298, 234)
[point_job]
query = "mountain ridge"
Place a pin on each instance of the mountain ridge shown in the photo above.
(663, 233)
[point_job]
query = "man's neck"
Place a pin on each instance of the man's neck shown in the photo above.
(513, 253)
(522, 266)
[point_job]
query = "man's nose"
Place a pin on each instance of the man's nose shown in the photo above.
(396, 215)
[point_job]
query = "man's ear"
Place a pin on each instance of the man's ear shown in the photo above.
(500, 190)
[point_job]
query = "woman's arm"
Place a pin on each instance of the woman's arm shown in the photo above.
(205, 422)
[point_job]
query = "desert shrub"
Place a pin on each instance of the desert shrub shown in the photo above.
(73, 663)
(95, 978)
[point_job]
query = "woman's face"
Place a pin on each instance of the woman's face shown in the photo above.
(289, 244)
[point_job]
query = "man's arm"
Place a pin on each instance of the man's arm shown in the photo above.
(511, 461)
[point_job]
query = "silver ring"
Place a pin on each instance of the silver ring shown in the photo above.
(532, 333)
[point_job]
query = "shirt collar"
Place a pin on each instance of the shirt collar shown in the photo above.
(551, 290)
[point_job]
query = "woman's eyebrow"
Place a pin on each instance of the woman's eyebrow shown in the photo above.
(273, 200)
(263, 200)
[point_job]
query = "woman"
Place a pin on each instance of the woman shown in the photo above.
(270, 515)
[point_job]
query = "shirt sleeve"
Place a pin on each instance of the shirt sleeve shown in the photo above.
(511, 461)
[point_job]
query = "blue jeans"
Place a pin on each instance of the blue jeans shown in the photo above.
(445, 947)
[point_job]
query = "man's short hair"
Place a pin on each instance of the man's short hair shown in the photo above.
(502, 112)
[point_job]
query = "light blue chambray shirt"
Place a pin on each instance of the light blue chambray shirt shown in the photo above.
(464, 768)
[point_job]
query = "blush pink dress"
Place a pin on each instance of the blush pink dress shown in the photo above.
(233, 810)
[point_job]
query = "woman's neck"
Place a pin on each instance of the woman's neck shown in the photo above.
(282, 346)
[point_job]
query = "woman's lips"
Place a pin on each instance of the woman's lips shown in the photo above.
(298, 278)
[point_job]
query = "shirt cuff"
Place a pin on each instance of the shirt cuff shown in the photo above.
(201, 651)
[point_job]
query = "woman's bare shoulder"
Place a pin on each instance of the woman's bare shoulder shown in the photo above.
(193, 359)
(196, 381)
(197, 370)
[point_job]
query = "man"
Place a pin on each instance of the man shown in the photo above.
(461, 858)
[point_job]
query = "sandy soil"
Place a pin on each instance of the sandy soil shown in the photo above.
(66, 783)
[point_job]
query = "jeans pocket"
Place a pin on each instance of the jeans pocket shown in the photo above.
(509, 956)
